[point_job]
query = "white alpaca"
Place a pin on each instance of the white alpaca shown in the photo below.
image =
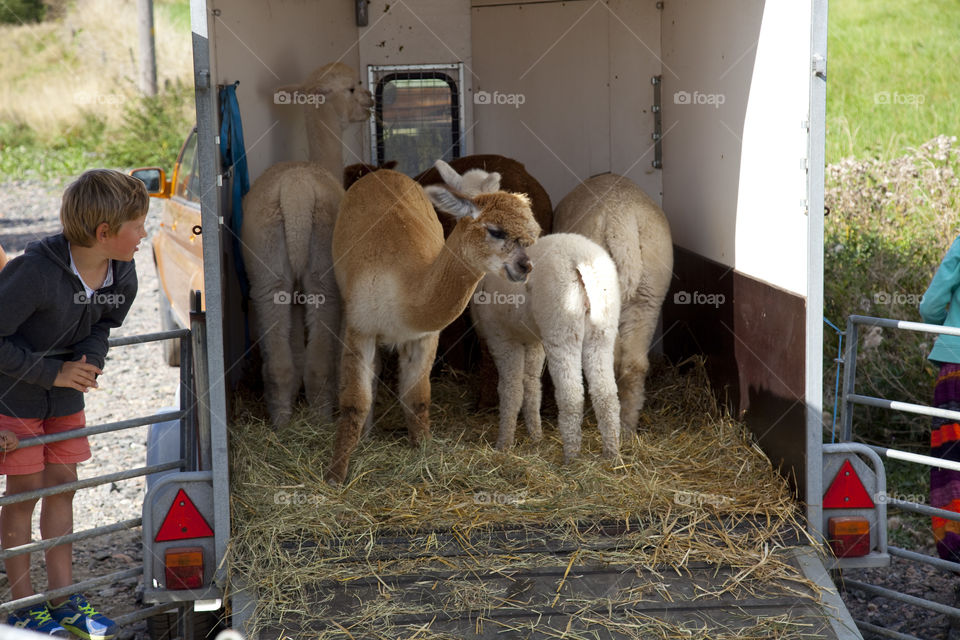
(288, 219)
(616, 214)
(569, 309)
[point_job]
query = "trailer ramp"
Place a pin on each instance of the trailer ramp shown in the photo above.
(529, 583)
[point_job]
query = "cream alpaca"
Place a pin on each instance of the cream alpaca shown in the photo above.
(568, 313)
(616, 214)
(401, 284)
(288, 219)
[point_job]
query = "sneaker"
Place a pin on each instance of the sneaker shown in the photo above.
(80, 618)
(38, 620)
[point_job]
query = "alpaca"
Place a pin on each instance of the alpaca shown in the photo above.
(287, 227)
(401, 284)
(616, 214)
(569, 309)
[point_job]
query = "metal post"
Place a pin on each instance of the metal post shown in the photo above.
(198, 335)
(148, 56)
(849, 381)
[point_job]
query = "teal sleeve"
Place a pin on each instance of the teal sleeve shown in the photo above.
(936, 299)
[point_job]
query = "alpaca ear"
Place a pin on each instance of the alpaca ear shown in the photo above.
(491, 184)
(449, 175)
(449, 202)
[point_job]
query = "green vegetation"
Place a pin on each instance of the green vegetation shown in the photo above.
(69, 100)
(893, 72)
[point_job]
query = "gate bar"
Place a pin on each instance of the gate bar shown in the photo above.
(923, 509)
(890, 323)
(102, 428)
(953, 612)
(69, 538)
(907, 407)
(930, 461)
(69, 590)
(939, 563)
(89, 482)
(143, 338)
(883, 631)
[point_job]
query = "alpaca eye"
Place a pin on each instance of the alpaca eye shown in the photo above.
(499, 234)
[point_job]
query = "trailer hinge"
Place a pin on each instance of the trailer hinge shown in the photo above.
(657, 135)
(819, 66)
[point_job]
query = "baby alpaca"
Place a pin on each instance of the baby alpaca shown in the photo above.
(567, 312)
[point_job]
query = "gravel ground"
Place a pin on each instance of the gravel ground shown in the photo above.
(29, 210)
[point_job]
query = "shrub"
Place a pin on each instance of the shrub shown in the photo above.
(153, 129)
(889, 226)
(22, 11)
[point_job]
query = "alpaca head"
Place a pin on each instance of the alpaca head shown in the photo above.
(334, 85)
(497, 229)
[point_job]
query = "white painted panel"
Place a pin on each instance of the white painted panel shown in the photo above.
(265, 45)
(541, 80)
(735, 92)
(771, 220)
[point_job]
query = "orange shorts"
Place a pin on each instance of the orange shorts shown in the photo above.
(33, 459)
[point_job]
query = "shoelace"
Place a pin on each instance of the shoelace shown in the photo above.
(86, 607)
(40, 615)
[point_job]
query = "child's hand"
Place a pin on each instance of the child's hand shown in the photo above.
(78, 375)
(8, 441)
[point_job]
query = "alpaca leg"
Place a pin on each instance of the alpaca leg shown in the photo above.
(509, 360)
(564, 362)
(532, 389)
(416, 360)
(323, 347)
(279, 376)
(374, 386)
(355, 372)
(598, 350)
(638, 322)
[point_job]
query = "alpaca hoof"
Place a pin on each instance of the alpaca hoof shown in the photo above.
(610, 454)
(335, 476)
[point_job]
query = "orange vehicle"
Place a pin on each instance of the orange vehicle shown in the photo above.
(177, 249)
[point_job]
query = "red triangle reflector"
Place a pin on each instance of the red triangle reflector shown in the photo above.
(183, 521)
(846, 491)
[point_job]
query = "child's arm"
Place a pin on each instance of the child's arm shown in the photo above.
(933, 306)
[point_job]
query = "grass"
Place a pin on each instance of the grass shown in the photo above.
(893, 70)
(68, 90)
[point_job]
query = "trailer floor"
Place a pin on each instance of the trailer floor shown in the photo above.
(563, 590)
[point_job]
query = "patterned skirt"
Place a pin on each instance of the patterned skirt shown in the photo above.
(945, 443)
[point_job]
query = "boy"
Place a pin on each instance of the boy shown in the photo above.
(64, 293)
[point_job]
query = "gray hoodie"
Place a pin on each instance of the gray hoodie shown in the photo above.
(44, 309)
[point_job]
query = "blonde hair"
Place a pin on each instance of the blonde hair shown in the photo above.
(98, 196)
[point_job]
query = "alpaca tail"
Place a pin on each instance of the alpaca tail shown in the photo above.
(297, 200)
(599, 280)
(622, 240)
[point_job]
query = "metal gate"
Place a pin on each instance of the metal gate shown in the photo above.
(187, 462)
(849, 399)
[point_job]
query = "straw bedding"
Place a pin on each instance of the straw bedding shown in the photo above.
(691, 491)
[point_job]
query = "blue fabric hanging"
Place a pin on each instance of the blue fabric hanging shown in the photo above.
(233, 155)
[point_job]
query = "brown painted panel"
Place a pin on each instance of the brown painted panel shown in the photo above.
(753, 338)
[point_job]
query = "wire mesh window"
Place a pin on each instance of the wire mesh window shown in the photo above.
(416, 118)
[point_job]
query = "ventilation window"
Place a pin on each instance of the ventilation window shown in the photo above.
(417, 117)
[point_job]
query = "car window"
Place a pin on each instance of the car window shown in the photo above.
(188, 180)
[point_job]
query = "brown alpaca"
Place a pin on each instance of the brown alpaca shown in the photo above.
(401, 284)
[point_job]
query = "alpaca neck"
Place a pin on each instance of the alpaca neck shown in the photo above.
(324, 137)
(442, 292)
